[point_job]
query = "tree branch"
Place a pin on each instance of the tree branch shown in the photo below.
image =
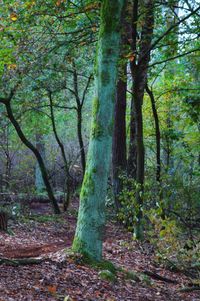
(168, 31)
(174, 57)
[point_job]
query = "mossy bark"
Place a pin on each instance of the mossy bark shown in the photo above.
(91, 219)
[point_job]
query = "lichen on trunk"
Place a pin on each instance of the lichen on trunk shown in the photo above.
(91, 219)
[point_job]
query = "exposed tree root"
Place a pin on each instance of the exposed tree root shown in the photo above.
(158, 277)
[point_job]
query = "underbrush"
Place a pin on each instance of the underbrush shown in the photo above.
(171, 220)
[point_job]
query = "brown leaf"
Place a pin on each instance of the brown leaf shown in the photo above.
(52, 289)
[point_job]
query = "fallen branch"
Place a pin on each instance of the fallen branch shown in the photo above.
(159, 277)
(20, 261)
(189, 289)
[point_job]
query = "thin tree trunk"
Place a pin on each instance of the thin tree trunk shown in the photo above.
(36, 153)
(139, 74)
(80, 137)
(62, 149)
(79, 117)
(132, 157)
(157, 130)
(91, 219)
(40, 146)
(119, 161)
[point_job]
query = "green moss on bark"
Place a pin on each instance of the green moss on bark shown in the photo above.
(88, 185)
(110, 128)
(105, 77)
(95, 106)
(109, 22)
(91, 219)
(97, 130)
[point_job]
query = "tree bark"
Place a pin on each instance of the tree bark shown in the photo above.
(62, 150)
(157, 130)
(79, 104)
(80, 137)
(132, 156)
(119, 161)
(40, 146)
(139, 75)
(91, 219)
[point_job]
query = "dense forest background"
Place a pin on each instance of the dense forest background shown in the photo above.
(58, 61)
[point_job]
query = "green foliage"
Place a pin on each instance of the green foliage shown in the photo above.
(13, 210)
(129, 209)
(173, 247)
(175, 234)
(107, 275)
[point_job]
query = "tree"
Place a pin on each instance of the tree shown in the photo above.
(40, 145)
(7, 102)
(119, 136)
(157, 132)
(91, 219)
(139, 75)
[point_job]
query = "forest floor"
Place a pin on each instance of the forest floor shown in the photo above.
(59, 276)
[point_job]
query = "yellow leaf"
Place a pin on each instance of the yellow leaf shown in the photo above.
(12, 66)
(13, 17)
(29, 4)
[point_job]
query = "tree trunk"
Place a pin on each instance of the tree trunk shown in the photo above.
(67, 189)
(39, 183)
(119, 137)
(132, 156)
(139, 74)
(80, 137)
(91, 219)
(3, 221)
(37, 155)
(157, 130)
(171, 19)
(79, 104)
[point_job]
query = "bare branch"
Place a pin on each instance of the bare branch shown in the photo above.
(174, 57)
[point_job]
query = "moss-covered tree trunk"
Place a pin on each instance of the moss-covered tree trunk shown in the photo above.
(91, 219)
